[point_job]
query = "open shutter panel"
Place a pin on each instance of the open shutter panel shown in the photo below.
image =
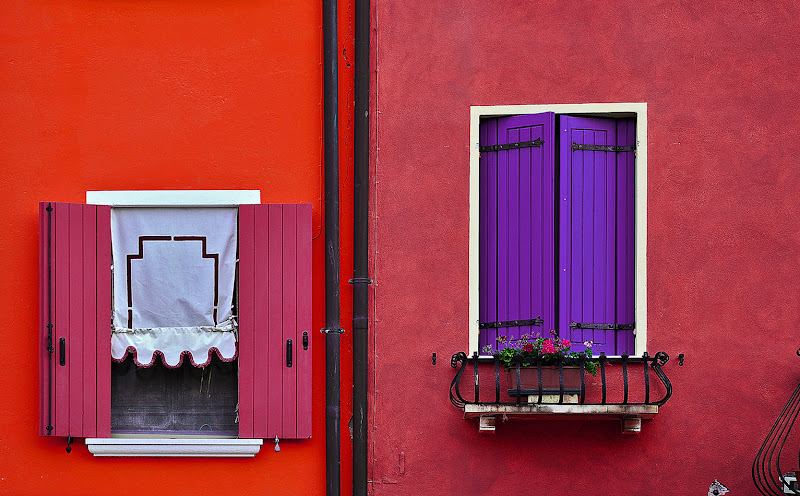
(516, 228)
(626, 233)
(275, 321)
(596, 235)
(75, 297)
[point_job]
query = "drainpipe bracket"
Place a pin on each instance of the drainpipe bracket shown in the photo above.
(332, 331)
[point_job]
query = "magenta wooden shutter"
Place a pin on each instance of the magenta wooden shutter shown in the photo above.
(516, 227)
(596, 260)
(275, 321)
(75, 297)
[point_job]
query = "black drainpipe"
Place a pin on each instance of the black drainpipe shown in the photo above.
(332, 329)
(360, 246)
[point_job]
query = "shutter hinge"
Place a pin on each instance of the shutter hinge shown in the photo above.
(604, 327)
(512, 323)
(512, 146)
(602, 148)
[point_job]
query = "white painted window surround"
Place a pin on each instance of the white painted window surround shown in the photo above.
(176, 446)
(638, 110)
(237, 448)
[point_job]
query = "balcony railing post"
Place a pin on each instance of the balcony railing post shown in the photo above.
(477, 388)
(496, 378)
(519, 380)
(603, 374)
(582, 364)
(645, 359)
(625, 378)
(539, 374)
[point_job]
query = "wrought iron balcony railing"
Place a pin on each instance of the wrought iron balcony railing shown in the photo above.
(516, 393)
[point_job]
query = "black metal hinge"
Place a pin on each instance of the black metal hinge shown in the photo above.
(513, 146)
(605, 327)
(602, 148)
(512, 323)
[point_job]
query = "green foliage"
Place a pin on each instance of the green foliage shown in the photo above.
(549, 350)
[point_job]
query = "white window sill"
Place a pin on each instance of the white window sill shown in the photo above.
(174, 447)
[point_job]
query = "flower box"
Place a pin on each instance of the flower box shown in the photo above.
(529, 381)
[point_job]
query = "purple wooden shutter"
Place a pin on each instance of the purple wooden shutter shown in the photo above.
(516, 225)
(626, 234)
(596, 233)
(274, 307)
(75, 296)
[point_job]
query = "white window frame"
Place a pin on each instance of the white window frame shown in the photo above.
(638, 110)
(175, 445)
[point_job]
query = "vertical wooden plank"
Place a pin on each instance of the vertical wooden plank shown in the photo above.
(247, 325)
(625, 235)
(609, 225)
(89, 330)
(61, 302)
(502, 232)
(483, 234)
(304, 308)
(75, 336)
(489, 285)
(276, 347)
(103, 320)
(527, 194)
(290, 320)
(44, 355)
(588, 220)
(512, 282)
(261, 336)
(519, 233)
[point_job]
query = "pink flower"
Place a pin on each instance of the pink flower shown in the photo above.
(565, 343)
(548, 347)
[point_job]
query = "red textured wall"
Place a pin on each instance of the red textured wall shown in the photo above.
(720, 81)
(159, 95)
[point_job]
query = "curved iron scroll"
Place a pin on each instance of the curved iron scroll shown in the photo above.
(769, 478)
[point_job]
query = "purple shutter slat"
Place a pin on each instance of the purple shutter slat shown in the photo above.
(596, 237)
(512, 279)
(502, 235)
(517, 215)
(483, 242)
(626, 231)
(525, 221)
(488, 286)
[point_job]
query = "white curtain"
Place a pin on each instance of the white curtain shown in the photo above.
(174, 277)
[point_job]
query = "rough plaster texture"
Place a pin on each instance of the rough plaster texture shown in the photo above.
(720, 81)
(160, 95)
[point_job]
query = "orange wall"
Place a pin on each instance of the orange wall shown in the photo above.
(160, 95)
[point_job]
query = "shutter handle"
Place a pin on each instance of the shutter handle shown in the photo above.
(288, 352)
(62, 351)
(305, 340)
